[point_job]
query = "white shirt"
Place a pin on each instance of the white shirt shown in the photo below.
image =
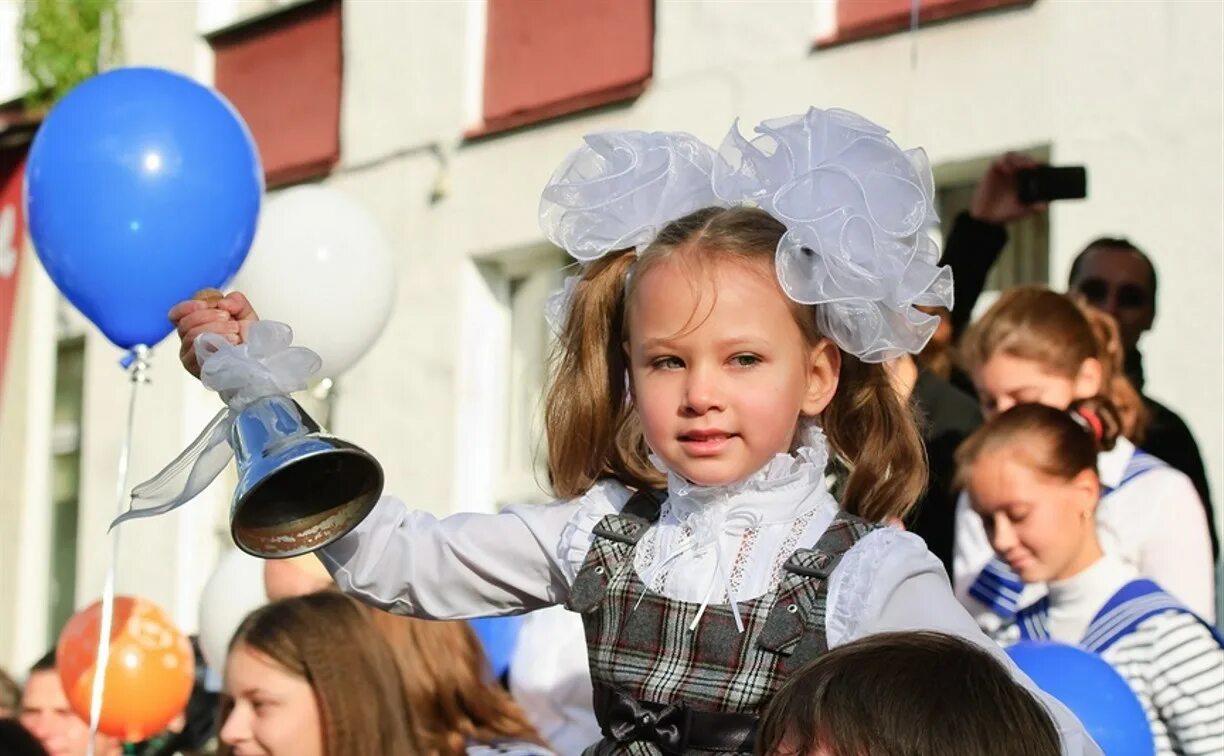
(1154, 523)
(550, 678)
(709, 544)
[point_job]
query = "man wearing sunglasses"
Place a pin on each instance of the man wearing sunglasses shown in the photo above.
(1111, 274)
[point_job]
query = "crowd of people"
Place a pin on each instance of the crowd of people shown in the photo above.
(786, 523)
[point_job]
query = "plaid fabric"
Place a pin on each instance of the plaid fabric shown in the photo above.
(639, 642)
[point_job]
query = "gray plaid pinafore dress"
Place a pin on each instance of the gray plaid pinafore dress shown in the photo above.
(663, 689)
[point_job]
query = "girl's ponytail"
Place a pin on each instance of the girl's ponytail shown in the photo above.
(592, 432)
(1127, 404)
(1099, 419)
(875, 434)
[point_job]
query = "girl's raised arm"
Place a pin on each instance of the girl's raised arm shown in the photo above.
(465, 565)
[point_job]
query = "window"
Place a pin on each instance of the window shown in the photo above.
(546, 58)
(862, 19)
(1026, 258)
(65, 477)
(291, 101)
(505, 344)
(524, 460)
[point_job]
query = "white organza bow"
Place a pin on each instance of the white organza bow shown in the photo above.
(264, 365)
(857, 209)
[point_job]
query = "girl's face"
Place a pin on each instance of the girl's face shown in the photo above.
(1041, 526)
(720, 371)
(275, 713)
(1004, 381)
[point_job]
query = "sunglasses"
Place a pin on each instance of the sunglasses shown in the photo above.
(1128, 296)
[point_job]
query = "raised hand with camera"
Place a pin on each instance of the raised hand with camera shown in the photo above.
(997, 198)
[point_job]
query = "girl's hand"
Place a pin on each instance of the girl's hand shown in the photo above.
(210, 312)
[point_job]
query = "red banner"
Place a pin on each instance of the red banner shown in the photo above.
(12, 238)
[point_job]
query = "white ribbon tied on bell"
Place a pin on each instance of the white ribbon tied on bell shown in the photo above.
(266, 364)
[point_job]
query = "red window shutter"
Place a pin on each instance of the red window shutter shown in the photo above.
(861, 19)
(546, 58)
(284, 73)
(12, 239)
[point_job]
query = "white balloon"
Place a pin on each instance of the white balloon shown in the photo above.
(234, 590)
(320, 263)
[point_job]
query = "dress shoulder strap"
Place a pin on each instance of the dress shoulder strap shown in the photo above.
(616, 535)
(795, 626)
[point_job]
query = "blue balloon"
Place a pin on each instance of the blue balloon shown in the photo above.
(142, 187)
(498, 635)
(1093, 690)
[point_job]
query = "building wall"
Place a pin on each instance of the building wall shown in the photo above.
(1132, 90)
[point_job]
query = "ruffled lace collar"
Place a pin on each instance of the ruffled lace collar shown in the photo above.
(776, 492)
(695, 517)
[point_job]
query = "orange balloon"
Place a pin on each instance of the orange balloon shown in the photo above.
(149, 673)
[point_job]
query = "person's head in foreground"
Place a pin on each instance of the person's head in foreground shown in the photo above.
(905, 694)
(312, 676)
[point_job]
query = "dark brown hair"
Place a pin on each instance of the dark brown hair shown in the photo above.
(906, 694)
(594, 432)
(1110, 242)
(449, 687)
(1057, 443)
(327, 639)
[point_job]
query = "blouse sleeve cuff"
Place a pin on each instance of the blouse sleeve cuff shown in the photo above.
(605, 497)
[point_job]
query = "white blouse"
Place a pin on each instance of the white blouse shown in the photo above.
(1154, 523)
(722, 544)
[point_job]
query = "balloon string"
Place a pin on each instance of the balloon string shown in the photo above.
(915, 9)
(137, 363)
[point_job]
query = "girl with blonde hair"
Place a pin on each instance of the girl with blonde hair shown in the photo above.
(311, 676)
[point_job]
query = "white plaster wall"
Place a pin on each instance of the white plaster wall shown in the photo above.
(1132, 90)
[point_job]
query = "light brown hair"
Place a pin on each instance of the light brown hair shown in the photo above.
(906, 694)
(1056, 331)
(328, 640)
(447, 680)
(594, 432)
(1059, 444)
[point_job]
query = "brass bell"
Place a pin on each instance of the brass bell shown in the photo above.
(299, 488)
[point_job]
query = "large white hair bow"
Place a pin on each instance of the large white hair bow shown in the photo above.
(857, 209)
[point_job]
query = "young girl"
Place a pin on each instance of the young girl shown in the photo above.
(1032, 479)
(722, 341)
(311, 676)
(1035, 345)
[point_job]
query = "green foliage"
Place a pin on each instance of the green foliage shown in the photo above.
(64, 42)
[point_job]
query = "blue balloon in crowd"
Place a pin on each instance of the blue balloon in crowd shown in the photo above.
(142, 187)
(1093, 690)
(498, 635)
